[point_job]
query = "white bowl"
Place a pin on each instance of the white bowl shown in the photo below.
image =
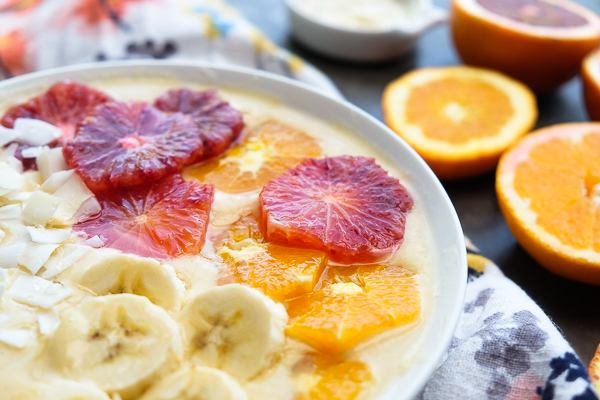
(363, 45)
(451, 267)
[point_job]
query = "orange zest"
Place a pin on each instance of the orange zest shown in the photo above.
(459, 119)
(548, 188)
(353, 303)
(539, 42)
(594, 369)
(269, 151)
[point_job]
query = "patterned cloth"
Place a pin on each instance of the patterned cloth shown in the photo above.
(504, 347)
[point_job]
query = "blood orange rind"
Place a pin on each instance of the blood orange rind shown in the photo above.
(541, 56)
(575, 262)
(590, 79)
(128, 144)
(348, 207)
(165, 219)
(466, 103)
(220, 124)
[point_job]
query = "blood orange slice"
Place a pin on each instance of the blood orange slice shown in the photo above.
(219, 123)
(165, 219)
(345, 206)
(539, 42)
(127, 144)
(64, 105)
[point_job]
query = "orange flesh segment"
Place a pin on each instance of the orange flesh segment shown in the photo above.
(279, 272)
(457, 110)
(338, 379)
(269, 151)
(353, 303)
(534, 12)
(561, 178)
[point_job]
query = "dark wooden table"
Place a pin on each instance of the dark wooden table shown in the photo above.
(574, 307)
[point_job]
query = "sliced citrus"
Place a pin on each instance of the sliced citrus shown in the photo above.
(64, 105)
(594, 369)
(459, 119)
(127, 144)
(539, 42)
(279, 272)
(164, 219)
(269, 150)
(590, 78)
(220, 124)
(348, 207)
(335, 379)
(354, 303)
(548, 188)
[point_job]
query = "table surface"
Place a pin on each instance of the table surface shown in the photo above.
(574, 307)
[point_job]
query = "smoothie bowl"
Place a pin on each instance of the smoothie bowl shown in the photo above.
(175, 229)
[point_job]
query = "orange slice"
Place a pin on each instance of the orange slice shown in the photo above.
(353, 303)
(335, 379)
(590, 78)
(279, 272)
(459, 119)
(548, 188)
(269, 150)
(594, 370)
(539, 42)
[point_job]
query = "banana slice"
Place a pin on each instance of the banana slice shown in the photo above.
(234, 328)
(59, 390)
(122, 343)
(196, 383)
(122, 273)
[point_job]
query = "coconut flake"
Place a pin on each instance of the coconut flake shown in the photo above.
(94, 242)
(32, 152)
(36, 291)
(48, 321)
(40, 208)
(8, 156)
(51, 161)
(73, 194)
(56, 180)
(18, 338)
(10, 179)
(64, 258)
(43, 235)
(35, 132)
(22, 196)
(10, 211)
(88, 209)
(9, 255)
(2, 234)
(35, 256)
(7, 135)
(3, 282)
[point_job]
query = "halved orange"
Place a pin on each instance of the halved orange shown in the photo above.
(351, 304)
(548, 188)
(459, 119)
(269, 150)
(279, 272)
(539, 42)
(590, 78)
(594, 370)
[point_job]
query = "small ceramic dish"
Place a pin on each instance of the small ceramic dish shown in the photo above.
(362, 45)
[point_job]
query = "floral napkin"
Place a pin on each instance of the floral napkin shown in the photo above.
(504, 347)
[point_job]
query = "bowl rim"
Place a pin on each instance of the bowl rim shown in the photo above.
(251, 76)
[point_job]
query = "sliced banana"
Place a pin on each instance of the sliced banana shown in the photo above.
(196, 383)
(58, 390)
(123, 273)
(234, 328)
(122, 343)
